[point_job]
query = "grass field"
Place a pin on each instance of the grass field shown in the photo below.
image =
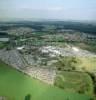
(79, 63)
(87, 64)
(75, 82)
(15, 85)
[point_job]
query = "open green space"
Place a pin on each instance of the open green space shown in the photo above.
(85, 64)
(16, 85)
(74, 81)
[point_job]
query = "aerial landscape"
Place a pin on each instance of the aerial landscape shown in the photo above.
(47, 52)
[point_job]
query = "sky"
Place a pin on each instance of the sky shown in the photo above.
(48, 9)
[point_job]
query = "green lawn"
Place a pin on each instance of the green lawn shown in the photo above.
(15, 85)
(75, 82)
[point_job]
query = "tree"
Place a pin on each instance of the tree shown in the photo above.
(66, 63)
(28, 97)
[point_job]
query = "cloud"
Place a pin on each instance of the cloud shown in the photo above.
(54, 8)
(42, 8)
